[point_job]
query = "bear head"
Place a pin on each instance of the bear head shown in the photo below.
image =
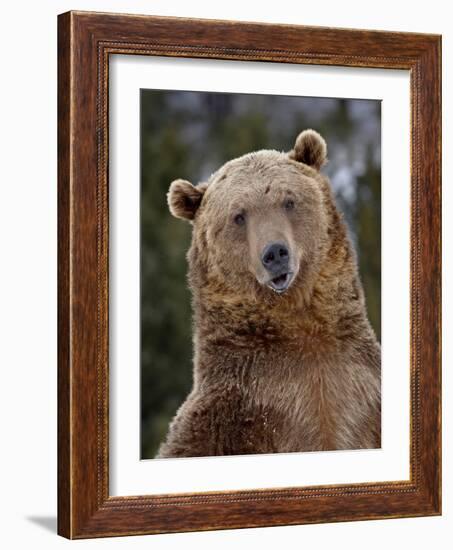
(262, 224)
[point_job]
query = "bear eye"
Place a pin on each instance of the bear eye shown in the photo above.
(289, 204)
(239, 219)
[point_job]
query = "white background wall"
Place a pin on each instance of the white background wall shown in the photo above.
(28, 122)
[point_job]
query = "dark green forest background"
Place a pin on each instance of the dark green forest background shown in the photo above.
(189, 135)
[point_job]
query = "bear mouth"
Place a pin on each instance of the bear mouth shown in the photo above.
(280, 283)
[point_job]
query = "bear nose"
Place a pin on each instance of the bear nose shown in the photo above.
(275, 257)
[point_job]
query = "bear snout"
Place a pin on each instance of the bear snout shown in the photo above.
(275, 258)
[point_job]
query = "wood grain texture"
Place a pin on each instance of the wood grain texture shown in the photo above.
(64, 389)
(85, 41)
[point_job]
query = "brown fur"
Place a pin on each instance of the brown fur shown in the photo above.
(298, 371)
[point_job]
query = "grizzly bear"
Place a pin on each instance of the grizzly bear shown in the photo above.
(285, 359)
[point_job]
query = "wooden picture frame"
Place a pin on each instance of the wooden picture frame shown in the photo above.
(85, 42)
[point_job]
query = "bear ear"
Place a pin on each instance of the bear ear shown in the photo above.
(184, 199)
(310, 148)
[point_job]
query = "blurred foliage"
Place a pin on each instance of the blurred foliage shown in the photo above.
(189, 135)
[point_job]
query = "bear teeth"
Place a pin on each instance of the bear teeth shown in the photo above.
(281, 283)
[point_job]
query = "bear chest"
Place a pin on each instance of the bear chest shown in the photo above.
(307, 403)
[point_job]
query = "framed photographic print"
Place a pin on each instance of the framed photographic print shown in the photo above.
(249, 275)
